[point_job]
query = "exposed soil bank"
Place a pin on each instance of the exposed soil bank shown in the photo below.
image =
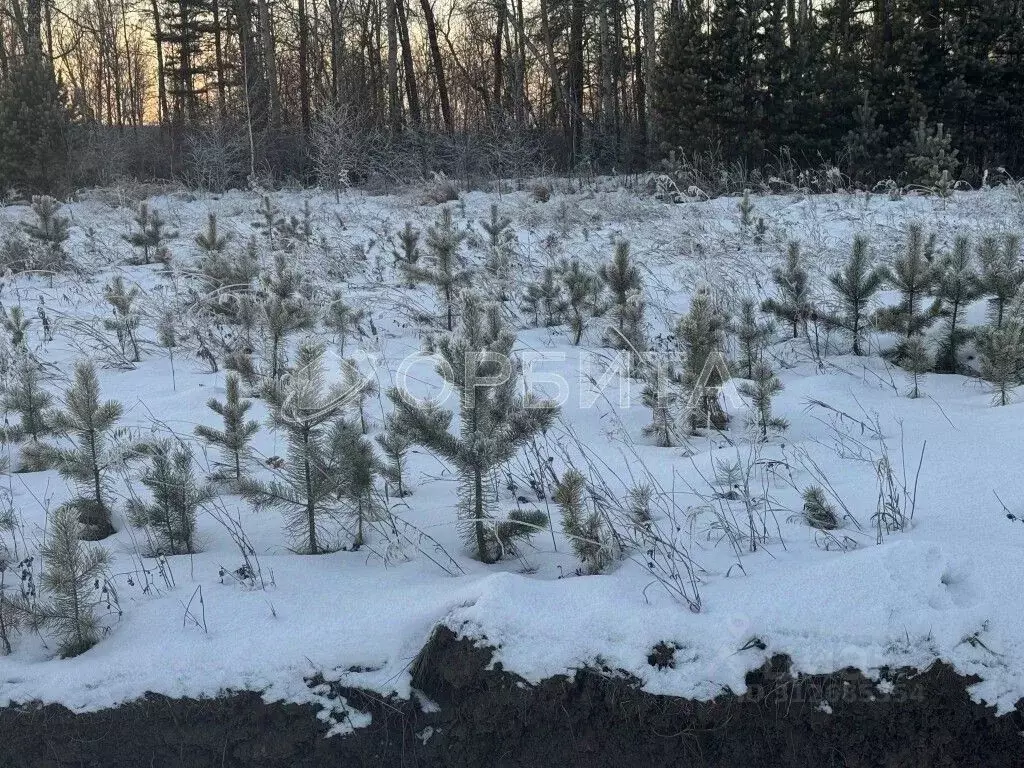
(592, 719)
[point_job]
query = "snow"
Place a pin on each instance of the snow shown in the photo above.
(946, 588)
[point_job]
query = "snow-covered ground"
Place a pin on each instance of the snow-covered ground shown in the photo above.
(948, 587)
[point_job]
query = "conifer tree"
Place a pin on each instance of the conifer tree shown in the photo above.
(501, 241)
(16, 325)
(956, 287)
(90, 424)
(818, 512)
(211, 240)
(394, 443)
(358, 468)
(746, 209)
(792, 304)
(584, 527)
(495, 421)
(73, 581)
(150, 235)
(177, 498)
(29, 399)
(753, 336)
(544, 300)
(358, 388)
(913, 274)
(33, 121)
(917, 361)
(662, 395)
(408, 249)
(167, 337)
(764, 385)
(702, 334)
(445, 270)
(234, 438)
(932, 160)
(343, 319)
(1001, 353)
(50, 230)
(1002, 273)
(226, 278)
(271, 216)
(622, 279)
(286, 308)
(857, 283)
(125, 322)
(313, 477)
(581, 288)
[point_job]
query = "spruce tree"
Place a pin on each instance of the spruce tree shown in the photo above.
(125, 321)
(150, 236)
(178, 496)
(956, 287)
(913, 274)
(286, 308)
(50, 230)
(233, 440)
(544, 300)
(90, 424)
(857, 283)
(495, 420)
(584, 527)
(764, 385)
(211, 240)
(1002, 273)
(72, 574)
(445, 270)
(702, 334)
(395, 443)
(753, 336)
(792, 304)
(343, 319)
(29, 399)
(313, 478)
(581, 288)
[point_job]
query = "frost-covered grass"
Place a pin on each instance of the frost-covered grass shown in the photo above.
(946, 587)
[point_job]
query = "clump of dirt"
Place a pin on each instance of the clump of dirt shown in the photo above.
(488, 718)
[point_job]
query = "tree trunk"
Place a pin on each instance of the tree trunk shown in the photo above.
(438, 64)
(161, 78)
(394, 97)
(411, 91)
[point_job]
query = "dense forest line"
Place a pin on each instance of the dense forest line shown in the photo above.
(218, 92)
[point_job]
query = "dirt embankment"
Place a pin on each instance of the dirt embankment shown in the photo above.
(591, 719)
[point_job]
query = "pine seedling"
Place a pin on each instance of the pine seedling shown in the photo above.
(1001, 275)
(270, 215)
(150, 235)
(227, 278)
(544, 300)
(73, 579)
(394, 443)
(501, 241)
(359, 388)
(702, 335)
(16, 325)
(857, 283)
(586, 530)
(1001, 352)
(792, 304)
(16, 608)
(956, 287)
(932, 159)
(343, 319)
(762, 387)
(358, 467)
(407, 251)
(178, 495)
(917, 361)
(621, 279)
(125, 321)
(495, 419)
(30, 400)
(50, 229)
(167, 337)
(445, 270)
(211, 240)
(312, 479)
(818, 512)
(746, 209)
(91, 425)
(233, 440)
(286, 308)
(752, 336)
(913, 274)
(662, 395)
(581, 288)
